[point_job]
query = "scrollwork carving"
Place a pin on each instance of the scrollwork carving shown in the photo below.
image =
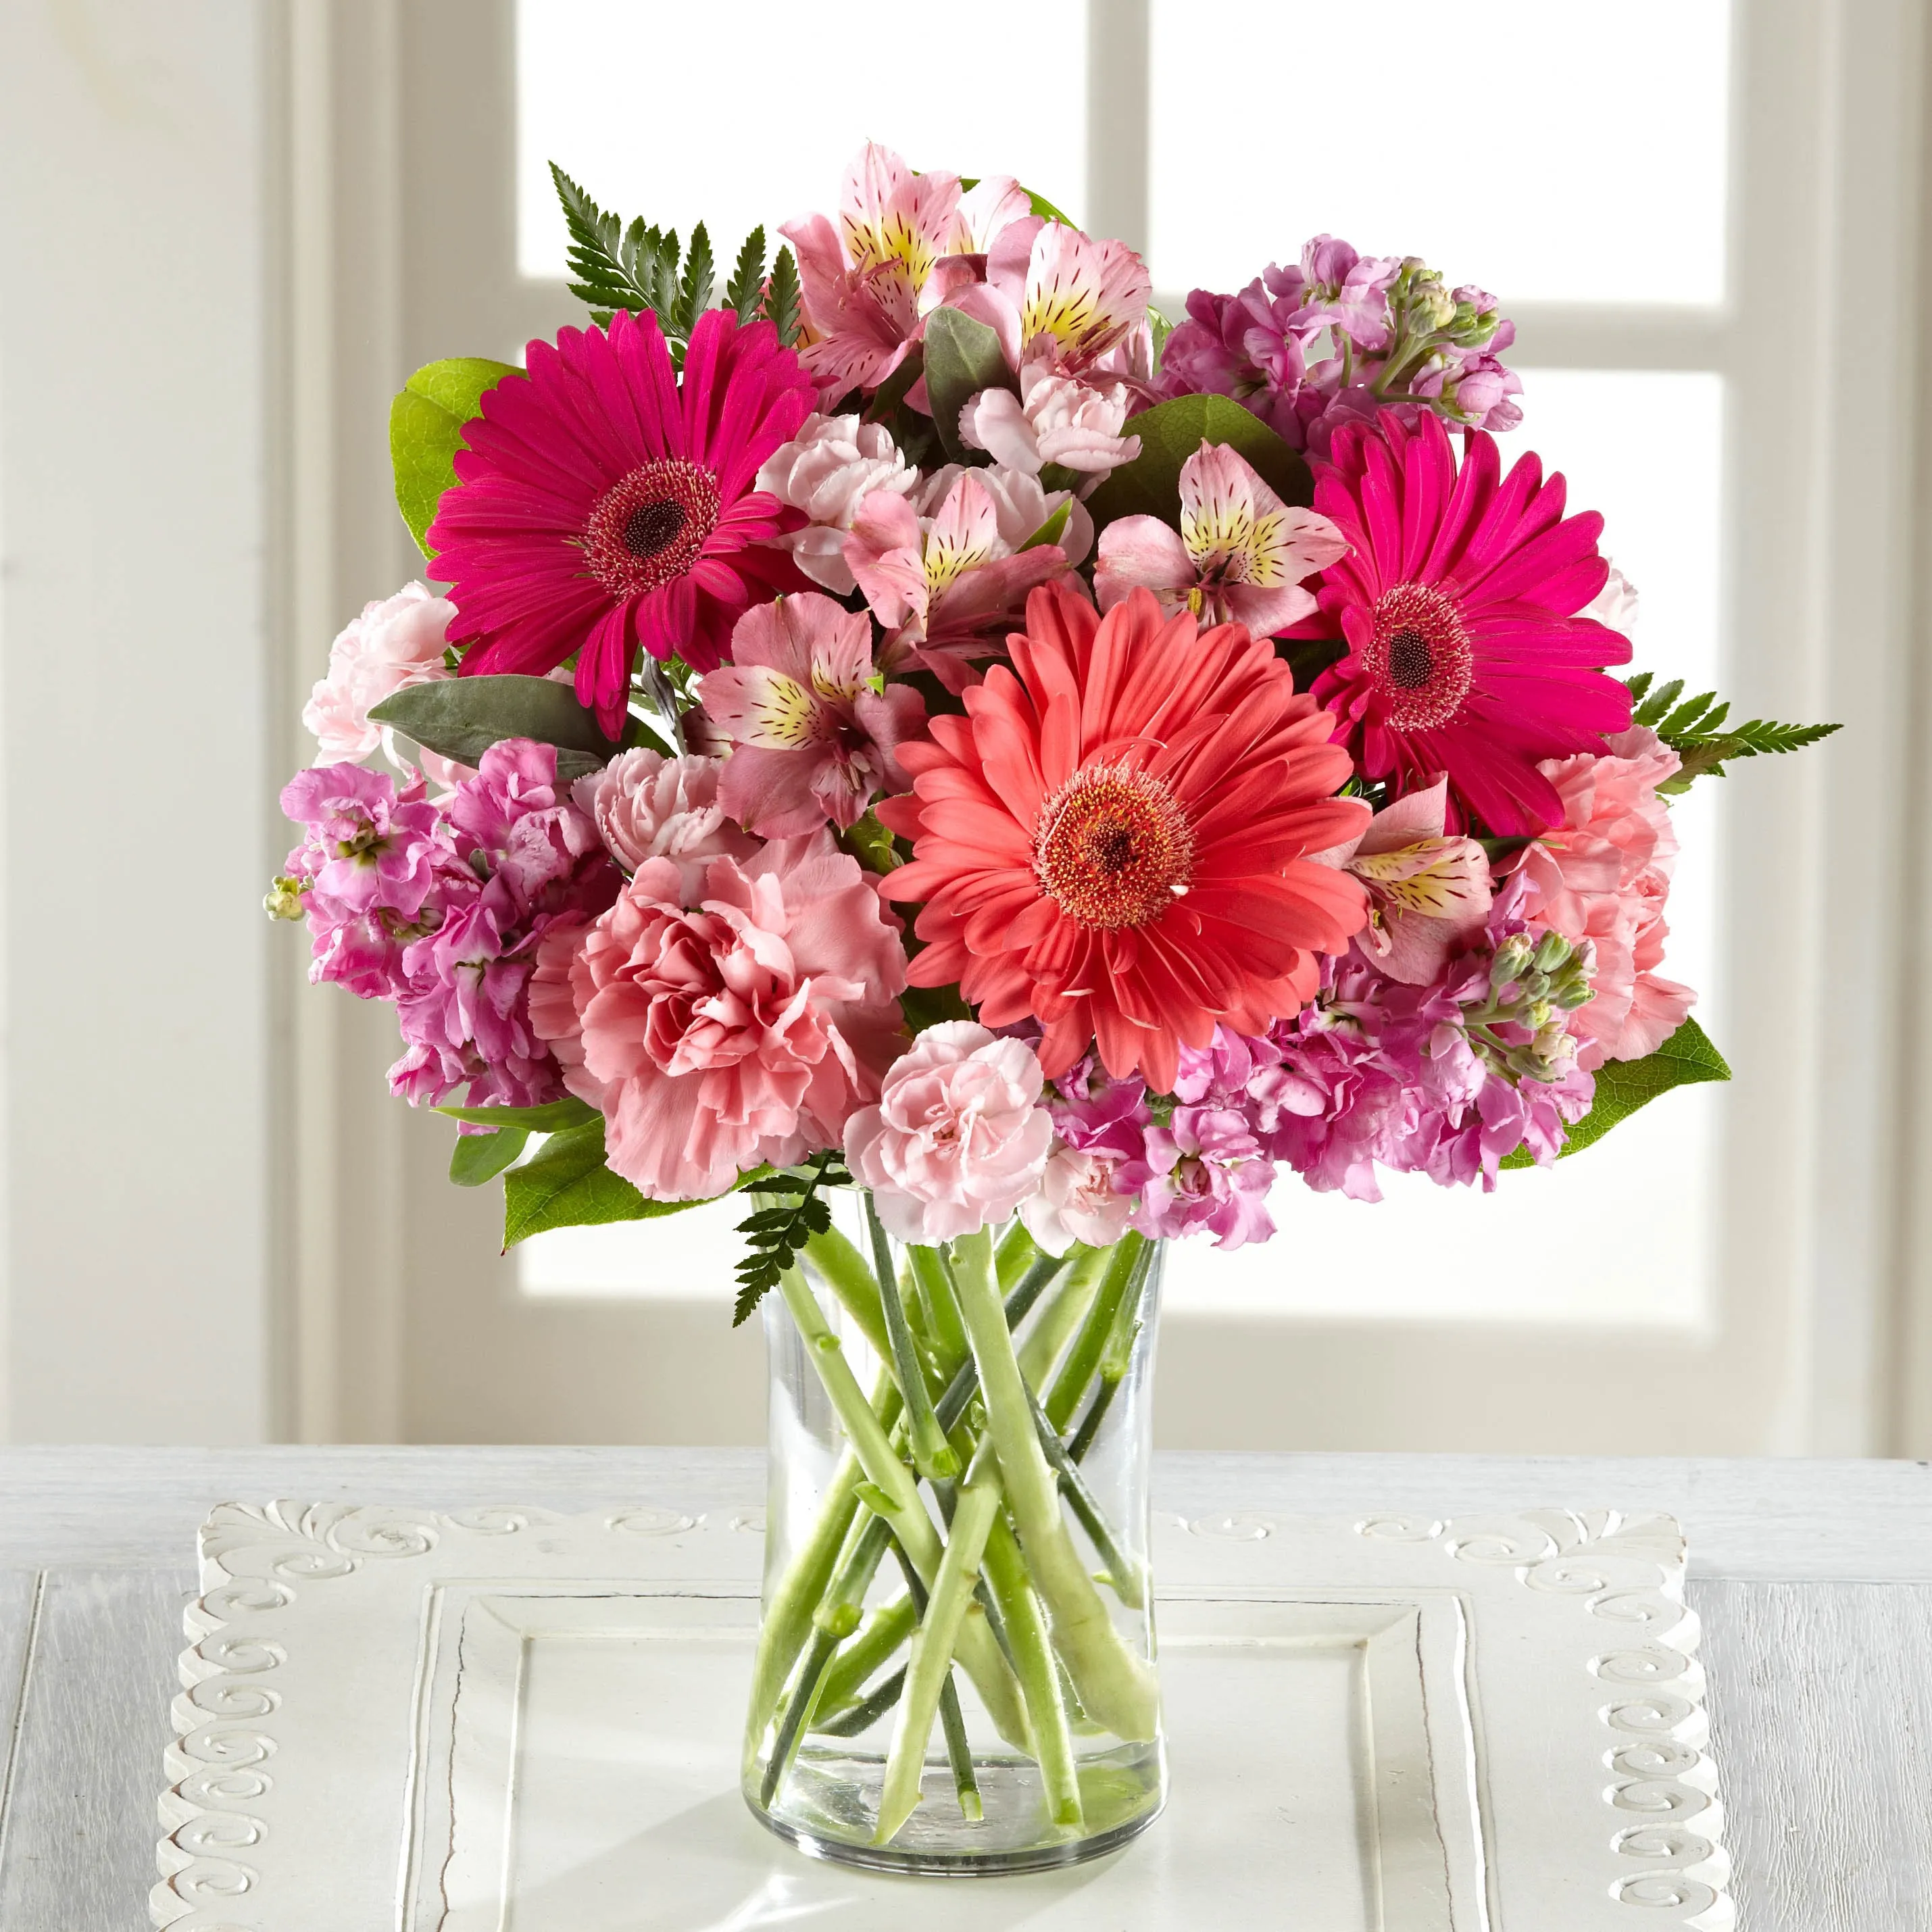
(1624, 1569)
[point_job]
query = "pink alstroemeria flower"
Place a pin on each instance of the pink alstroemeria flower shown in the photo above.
(867, 283)
(949, 585)
(1057, 296)
(1429, 894)
(815, 727)
(1239, 558)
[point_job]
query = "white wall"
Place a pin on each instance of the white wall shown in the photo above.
(133, 757)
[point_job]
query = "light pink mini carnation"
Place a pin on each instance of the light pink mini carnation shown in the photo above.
(397, 640)
(1603, 875)
(1077, 1202)
(746, 1029)
(825, 472)
(958, 1138)
(647, 806)
(1054, 418)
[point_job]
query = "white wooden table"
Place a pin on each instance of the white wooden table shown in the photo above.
(1813, 1580)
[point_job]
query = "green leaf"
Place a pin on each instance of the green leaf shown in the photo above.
(462, 717)
(612, 268)
(477, 1158)
(567, 1186)
(1623, 1086)
(1160, 329)
(694, 292)
(931, 1005)
(1046, 210)
(426, 431)
(773, 1236)
(1691, 714)
(1658, 703)
(1053, 529)
(781, 307)
(745, 289)
(552, 1117)
(870, 844)
(894, 390)
(962, 357)
(1170, 432)
(1639, 684)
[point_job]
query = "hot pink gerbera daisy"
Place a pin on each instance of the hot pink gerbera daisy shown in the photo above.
(601, 506)
(1114, 839)
(1457, 601)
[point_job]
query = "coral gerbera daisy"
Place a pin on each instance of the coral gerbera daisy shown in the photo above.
(600, 506)
(1457, 601)
(1113, 839)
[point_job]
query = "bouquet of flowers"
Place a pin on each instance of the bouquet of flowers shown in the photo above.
(924, 723)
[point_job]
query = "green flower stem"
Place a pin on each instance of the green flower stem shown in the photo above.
(1062, 1314)
(965, 1382)
(898, 1492)
(949, 1332)
(1083, 1358)
(843, 1269)
(1123, 1573)
(861, 1716)
(1018, 1251)
(886, 1630)
(932, 1454)
(820, 1573)
(929, 1668)
(798, 1713)
(1115, 1360)
(1039, 1670)
(1117, 1688)
(959, 1751)
(789, 1617)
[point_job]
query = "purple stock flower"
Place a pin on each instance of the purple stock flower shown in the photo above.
(440, 908)
(1205, 1172)
(1396, 338)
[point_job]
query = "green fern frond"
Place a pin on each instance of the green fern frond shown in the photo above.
(781, 297)
(746, 290)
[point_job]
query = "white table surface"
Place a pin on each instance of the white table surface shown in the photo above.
(1813, 1580)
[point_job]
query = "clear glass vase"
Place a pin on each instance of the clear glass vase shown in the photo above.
(955, 1669)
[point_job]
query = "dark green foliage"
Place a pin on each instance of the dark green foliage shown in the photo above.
(462, 717)
(1172, 432)
(615, 267)
(962, 357)
(1696, 729)
(746, 288)
(776, 1234)
(781, 307)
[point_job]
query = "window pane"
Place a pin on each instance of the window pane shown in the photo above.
(1535, 1251)
(630, 100)
(1546, 150)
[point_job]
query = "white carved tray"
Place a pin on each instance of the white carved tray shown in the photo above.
(511, 1720)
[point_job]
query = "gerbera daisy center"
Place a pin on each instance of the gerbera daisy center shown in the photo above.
(649, 526)
(1112, 846)
(1419, 659)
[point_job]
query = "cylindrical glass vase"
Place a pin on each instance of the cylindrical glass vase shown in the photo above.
(955, 1669)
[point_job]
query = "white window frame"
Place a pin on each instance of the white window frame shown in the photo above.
(1823, 1337)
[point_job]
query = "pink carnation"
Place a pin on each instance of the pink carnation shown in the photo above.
(748, 1029)
(1079, 1200)
(648, 806)
(958, 1138)
(825, 473)
(1603, 875)
(397, 640)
